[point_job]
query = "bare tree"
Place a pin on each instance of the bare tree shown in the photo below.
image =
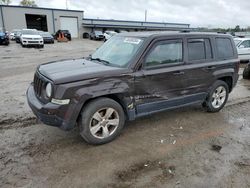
(28, 3)
(5, 2)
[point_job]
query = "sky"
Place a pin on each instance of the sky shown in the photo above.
(198, 13)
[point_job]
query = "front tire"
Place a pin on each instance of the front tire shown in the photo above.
(217, 96)
(101, 121)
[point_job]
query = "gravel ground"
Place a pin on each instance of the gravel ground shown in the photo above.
(181, 148)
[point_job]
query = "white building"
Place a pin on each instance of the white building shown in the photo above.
(51, 20)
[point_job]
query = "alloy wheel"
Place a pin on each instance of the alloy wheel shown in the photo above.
(104, 123)
(219, 97)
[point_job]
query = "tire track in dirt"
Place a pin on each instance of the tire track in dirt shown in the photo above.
(13, 123)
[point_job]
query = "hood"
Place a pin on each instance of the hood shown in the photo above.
(76, 70)
(31, 36)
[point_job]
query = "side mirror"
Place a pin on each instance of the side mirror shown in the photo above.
(241, 46)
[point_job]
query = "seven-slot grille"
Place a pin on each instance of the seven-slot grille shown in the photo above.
(38, 85)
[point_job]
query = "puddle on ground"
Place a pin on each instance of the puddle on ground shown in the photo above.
(242, 91)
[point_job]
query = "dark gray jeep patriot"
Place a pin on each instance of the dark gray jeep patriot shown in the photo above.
(133, 75)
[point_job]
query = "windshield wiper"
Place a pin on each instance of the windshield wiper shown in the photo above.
(100, 60)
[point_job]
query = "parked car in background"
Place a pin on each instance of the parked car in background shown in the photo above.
(243, 48)
(123, 31)
(65, 33)
(17, 36)
(13, 34)
(134, 75)
(31, 37)
(246, 72)
(4, 38)
(96, 35)
(108, 34)
(47, 37)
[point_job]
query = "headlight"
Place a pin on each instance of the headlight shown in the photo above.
(48, 90)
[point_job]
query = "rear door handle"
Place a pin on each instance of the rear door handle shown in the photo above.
(210, 68)
(178, 73)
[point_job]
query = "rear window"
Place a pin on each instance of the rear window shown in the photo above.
(224, 47)
(199, 49)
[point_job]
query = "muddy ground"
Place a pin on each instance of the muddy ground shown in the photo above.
(182, 148)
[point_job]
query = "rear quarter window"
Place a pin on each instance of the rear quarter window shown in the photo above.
(224, 48)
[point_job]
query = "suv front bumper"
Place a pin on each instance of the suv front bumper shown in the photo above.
(32, 42)
(50, 114)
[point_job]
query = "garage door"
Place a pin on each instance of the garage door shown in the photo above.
(69, 23)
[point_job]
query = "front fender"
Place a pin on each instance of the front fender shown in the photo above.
(80, 92)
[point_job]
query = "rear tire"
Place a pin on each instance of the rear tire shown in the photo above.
(217, 96)
(246, 72)
(101, 121)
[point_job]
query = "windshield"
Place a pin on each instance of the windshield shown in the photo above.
(29, 32)
(237, 42)
(98, 32)
(65, 31)
(16, 31)
(118, 51)
(45, 34)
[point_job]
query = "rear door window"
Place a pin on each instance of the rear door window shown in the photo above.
(224, 47)
(199, 49)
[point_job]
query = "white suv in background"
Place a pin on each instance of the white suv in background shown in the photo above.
(243, 48)
(108, 34)
(31, 37)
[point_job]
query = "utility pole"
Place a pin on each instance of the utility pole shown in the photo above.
(146, 13)
(66, 1)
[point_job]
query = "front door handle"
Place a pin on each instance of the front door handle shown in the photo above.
(177, 73)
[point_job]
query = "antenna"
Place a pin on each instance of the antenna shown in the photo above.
(146, 13)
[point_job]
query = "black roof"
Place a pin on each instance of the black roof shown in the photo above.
(168, 33)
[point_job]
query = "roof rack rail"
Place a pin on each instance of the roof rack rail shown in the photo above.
(185, 31)
(221, 32)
